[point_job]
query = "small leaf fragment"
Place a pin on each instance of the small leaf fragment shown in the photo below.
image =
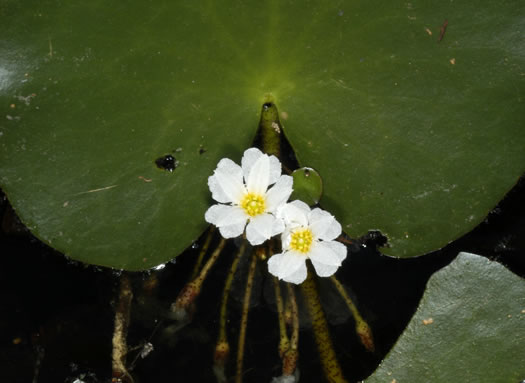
(307, 185)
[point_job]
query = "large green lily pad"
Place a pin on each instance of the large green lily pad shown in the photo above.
(411, 136)
(469, 327)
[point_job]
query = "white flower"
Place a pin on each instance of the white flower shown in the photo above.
(309, 234)
(244, 196)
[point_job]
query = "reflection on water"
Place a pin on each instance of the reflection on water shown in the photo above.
(6, 78)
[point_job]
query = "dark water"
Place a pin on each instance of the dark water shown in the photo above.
(56, 315)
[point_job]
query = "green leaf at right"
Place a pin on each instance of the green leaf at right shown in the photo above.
(469, 327)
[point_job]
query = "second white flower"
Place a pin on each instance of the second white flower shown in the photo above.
(309, 234)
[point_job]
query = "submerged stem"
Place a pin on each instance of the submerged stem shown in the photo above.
(202, 253)
(295, 317)
(226, 292)
(192, 289)
(120, 332)
(361, 327)
(284, 342)
(207, 266)
(222, 348)
(331, 367)
(244, 318)
(291, 355)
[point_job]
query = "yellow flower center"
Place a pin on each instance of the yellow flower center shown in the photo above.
(253, 204)
(301, 240)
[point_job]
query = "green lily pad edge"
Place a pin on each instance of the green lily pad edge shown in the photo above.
(469, 327)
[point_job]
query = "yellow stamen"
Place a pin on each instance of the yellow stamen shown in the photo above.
(301, 240)
(253, 204)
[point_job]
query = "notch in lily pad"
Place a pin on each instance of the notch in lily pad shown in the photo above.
(307, 185)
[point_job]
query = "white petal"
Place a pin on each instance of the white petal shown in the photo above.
(249, 158)
(226, 183)
(230, 220)
(325, 260)
(284, 379)
(278, 226)
(233, 230)
(274, 264)
(215, 212)
(286, 237)
(260, 228)
(337, 247)
(323, 270)
(216, 191)
(298, 277)
(279, 193)
(323, 253)
(288, 266)
(301, 205)
(324, 225)
(232, 215)
(294, 214)
(275, 170)
(259, 177)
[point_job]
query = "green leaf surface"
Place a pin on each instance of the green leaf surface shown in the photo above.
(411, 136)
(469, 327)
(307, 185)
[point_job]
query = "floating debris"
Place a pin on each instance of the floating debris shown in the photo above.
(442, 30)
(167, 162)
